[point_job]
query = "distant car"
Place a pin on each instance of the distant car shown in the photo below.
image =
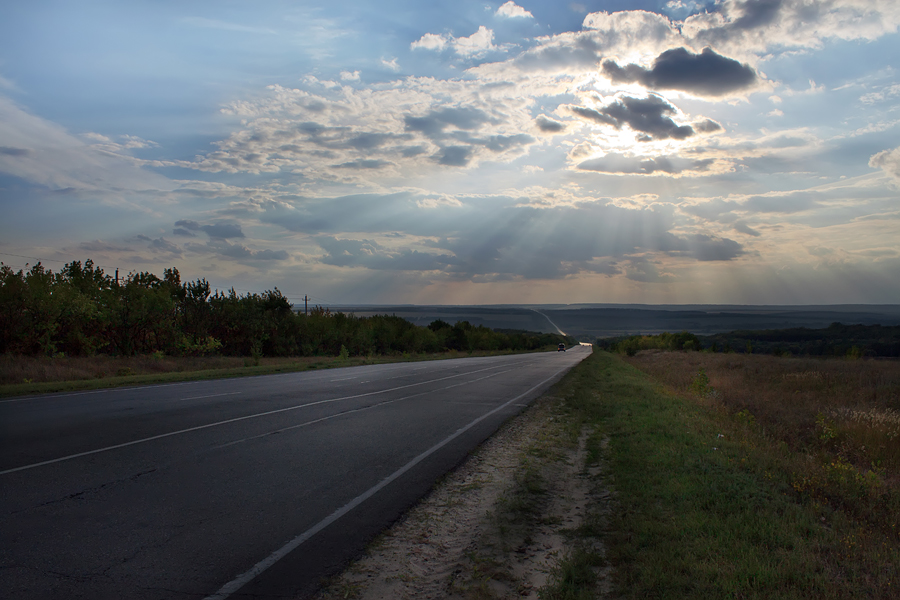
(561, 348)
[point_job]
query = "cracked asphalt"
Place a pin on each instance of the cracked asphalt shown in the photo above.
(182, 490)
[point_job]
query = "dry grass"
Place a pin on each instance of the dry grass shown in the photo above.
(24, 369)
(829, 428)
(846, 407)
(26, 375)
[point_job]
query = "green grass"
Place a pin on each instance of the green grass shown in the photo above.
(703, 507)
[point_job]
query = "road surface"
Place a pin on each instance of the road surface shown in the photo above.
(255, 487)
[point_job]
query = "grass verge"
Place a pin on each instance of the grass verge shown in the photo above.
(706, 504)
(45, 375)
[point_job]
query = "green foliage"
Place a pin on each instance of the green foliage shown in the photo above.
(665, 341)
(81, 311)
(700, 383)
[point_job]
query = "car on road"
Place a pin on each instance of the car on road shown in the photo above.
(561, 348)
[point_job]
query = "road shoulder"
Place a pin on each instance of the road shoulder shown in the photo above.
(504, 524)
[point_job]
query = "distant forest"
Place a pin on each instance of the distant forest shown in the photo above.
(81, 311)
(856, 341)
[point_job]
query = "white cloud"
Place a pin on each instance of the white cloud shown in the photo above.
(431, 41)
(391, 64)
(44, 153)
(511, 10)
(350, 75)
(476, 44)
(752, 28)
(892, 91)
(888, 161)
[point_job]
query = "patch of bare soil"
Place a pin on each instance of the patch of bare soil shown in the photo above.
(496, 527)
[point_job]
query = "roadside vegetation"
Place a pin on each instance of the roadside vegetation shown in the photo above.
(704, 476)
(836, 340)
(82, 324)
(742, 476)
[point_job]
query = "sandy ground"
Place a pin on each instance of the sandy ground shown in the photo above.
(459, 542)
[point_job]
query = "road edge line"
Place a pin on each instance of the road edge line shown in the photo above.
(243, 579)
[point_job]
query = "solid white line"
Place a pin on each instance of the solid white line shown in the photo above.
(212, 396)
(362, 408)
(241, 580)
(234, 420)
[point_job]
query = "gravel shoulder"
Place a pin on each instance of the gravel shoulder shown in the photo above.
(502, 525)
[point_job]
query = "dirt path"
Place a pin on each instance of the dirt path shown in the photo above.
(497, 527)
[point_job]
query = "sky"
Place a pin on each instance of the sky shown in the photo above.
(736, 152)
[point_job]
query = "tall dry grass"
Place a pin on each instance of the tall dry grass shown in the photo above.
(25, 369)
(832, 425)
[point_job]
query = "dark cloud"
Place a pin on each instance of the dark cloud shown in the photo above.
(434, 123)
(237, 251)
(499, 143)
(742, 227)
(707, 126)
(331, 138)
(455, 156)
(410, 151)
(645, 271)
(593, 115)
(648, 115)
(548, 125)
(8, 151)
(223, 231)
(371, 255)
(164, 245)
(190, 225)
(706, 248)
(488, 237)
(618, 163)
(706, 74)
(364, 164)
(368, 141)
(757, 13)
(754, 14)
(101, 246)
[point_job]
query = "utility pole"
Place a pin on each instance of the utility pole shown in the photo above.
(306, 305)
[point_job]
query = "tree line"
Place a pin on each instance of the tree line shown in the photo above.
(81, 311)
(836, 340)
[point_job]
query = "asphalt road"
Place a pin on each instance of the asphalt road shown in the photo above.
(255, 487)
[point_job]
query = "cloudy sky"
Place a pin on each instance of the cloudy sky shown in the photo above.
(461, 152)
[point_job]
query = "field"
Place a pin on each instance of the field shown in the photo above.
(813, 446)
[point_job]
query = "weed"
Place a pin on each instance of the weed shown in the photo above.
(574, 577)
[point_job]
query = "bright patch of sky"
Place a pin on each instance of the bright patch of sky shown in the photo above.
(466, 152)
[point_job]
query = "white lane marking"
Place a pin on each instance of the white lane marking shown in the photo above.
(226, 421)
(362, 408)
(212, 396)
(241, 580)
(342, 379)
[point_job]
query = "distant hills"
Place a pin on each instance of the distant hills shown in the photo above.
(587, 322)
